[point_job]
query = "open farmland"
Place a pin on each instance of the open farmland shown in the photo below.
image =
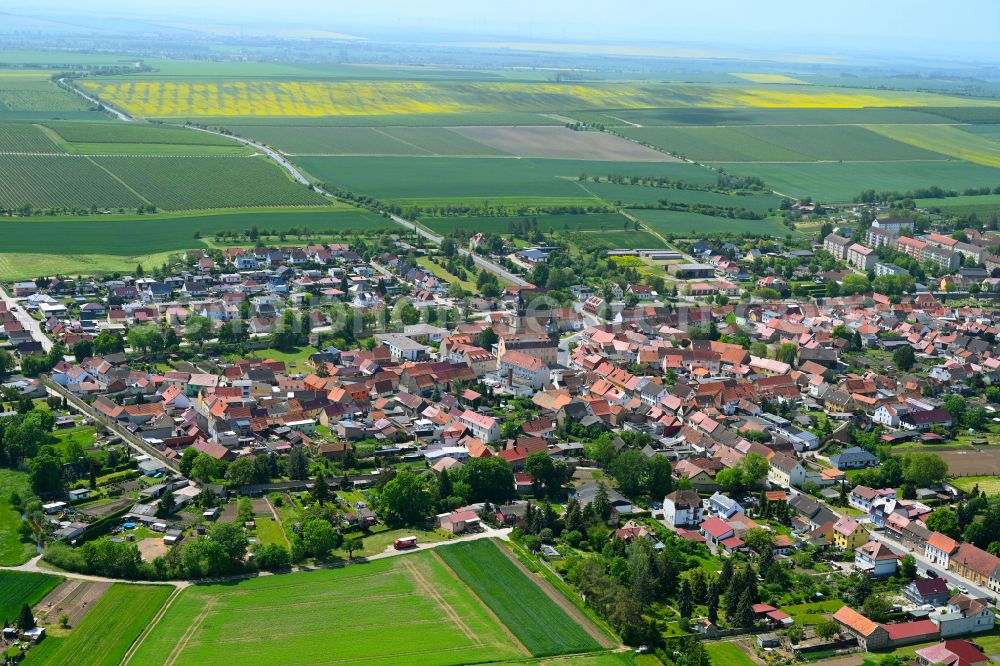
(644, 195)
(717, 117)
(562, 143)
(118, 132)
(546, 223)
(534, 616)
(60, 181)
(972, 462)
(303, 98)
(107, 630)
(759, 77)
(950, 141)
(25, 138)
(190, 183)
(442, 180)
(765, 143)
(22, 587)
(35, 96)
(129, 235)
(831, 181)
(983, 206)
(367, 140)
(400, 609)
(728, 653)
(680, 222)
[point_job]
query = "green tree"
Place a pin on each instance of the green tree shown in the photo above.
(241, 472)
(405, 500)
(25, 619)
(46, 472)
(943, 520)
(660, 482)
(602, 503)
(232, 539)
(490, 479)
(319, 537)
(198, 330)
(827, 628)
(629, 469)
(271, 556)
(924, 469)
(298, 465)
(685, 603)
(908, 567)
(787, 352)
(187, 460)
(167, 504)
(904, 358)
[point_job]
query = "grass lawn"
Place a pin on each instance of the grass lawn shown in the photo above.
(537, 621)
(269, 530)
(296, 355)
(728, 654)
(108, 629)
(82, 435)
(987, 484)
(379, 541)
(407, 609)
(442, 272)
(19, 587)
(12, 550)
(811, 613)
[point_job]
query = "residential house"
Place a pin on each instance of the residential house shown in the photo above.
(848, 534)
(965, 615)
(875, 559)
(853, 458)
(682, 508)
(786, 471)
(933, 591)
(939, 549)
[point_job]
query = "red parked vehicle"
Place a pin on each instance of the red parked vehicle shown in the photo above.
(405, 542)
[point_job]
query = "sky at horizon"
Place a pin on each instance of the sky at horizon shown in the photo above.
(963, 30)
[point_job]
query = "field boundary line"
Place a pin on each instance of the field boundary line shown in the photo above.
(189, 633)
(563, 603)
(429, 590)
(148, 629)
(379, 130)
(489, 611)
(116, 178)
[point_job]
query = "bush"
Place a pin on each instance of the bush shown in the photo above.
(272, 556)
(533, 543)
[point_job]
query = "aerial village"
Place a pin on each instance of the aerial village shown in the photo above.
(697, 454)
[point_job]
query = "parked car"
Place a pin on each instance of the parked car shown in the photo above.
(963, 589)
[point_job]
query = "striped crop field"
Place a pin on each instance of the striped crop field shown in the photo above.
(242, 98)
(946, 140)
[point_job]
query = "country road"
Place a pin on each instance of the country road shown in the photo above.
(30, 323)
(33, 565)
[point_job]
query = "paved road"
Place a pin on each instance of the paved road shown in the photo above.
(30, 323)
(124, 117)
(140, 445)
(488, 265)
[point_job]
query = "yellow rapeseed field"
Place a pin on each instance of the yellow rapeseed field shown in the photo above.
(179, 99)
(946, 140)
(757, 77)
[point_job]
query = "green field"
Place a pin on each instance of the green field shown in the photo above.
(815, 116)
(728, 654)
(644, 195)
(131, 235)
(615, 239)
(442, 180)
(842, 182)
(190, 183)
(541, 625)
(107, 630)
(679, 222)
(546, 223)
(22, 587)
(367, 140)
(12, 550)
(407, 609)
(779, 143)
(25, 137)
(29, 96)
(946, 140)
(53, 181)
(983, 206)
(987, 484)
(118, 132)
